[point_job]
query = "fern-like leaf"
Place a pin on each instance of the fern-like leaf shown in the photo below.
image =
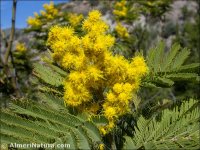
(178, 129)
(36, 122)
(167, 68)
(48, 75)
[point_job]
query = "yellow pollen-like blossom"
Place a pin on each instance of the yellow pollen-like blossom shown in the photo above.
(139, 62)
(75, 19)
(120, 9)
(34, 22)
(98, 81)
(101, 146)
(110, 112)
(103, 130)
(20, 47)
(49, 13)
(94, 73)
(94, 25)
(117, 88)
(94, 16)
(121, 31)
(111, 97)
(76, 95)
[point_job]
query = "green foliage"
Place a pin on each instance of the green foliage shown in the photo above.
(187, 34)
(165, 68)
(149, 8)
(47, 121)
(155, 8)
(49, 74)
(177, 129)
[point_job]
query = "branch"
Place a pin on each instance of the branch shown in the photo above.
(3, 36)
(7, 70)
(6, 45)
(12, 32)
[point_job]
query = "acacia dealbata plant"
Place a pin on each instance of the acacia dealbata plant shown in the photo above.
(88, 95)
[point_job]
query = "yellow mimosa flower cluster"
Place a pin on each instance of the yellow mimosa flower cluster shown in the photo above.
(101, 146)
(121, 31)
(75, 19)
(120, 9)
(49, 13)
(20, 47)
(98, 80)
(34, 21)
(125, 77)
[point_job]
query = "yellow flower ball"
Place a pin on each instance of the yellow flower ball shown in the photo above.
(20, 47)
(98, 81)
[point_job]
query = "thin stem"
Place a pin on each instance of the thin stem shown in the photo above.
(3, 38)
(112, 141)
(12, 33)
(8, 53)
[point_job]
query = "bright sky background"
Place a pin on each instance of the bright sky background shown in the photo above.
(25, 8)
